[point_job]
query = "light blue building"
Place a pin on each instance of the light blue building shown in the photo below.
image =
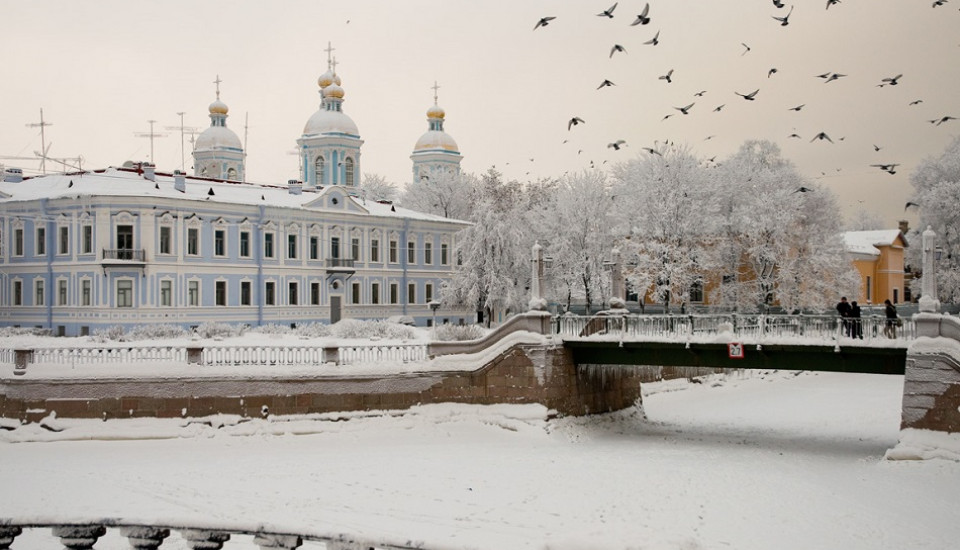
(128, 246)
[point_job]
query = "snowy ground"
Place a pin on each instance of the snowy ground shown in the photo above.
(767, 460)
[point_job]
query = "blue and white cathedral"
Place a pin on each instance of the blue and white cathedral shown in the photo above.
(134, 245)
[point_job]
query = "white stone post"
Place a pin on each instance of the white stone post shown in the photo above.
(537, 303)
(928, 293)
(616, 275)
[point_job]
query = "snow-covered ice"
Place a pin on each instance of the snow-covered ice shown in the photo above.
(759, 461)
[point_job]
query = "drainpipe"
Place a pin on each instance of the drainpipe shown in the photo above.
(48, 289)
(258, 254)
(405, 242)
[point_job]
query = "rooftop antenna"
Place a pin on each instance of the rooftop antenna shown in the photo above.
(151, 134)
(183, 131)
(43, 140)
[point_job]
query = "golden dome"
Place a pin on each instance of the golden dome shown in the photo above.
(327, 79)
(218, 107)
(333, 90)
(435, 112)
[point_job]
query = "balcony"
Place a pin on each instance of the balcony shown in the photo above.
(123, 257)
(340, 266)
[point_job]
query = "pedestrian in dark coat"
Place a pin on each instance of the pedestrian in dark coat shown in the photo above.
(843, 308)
(890, 329)
(856, 325)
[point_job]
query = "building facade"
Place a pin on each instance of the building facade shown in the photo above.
(132, 246)
(879, 258)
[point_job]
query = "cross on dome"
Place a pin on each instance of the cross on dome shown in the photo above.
(329, 51)
(435, 88)
(217, 82)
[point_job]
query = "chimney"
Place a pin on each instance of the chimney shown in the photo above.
(179, 181)
(295, 187)
(150, 171)
(904, 226)
(13, 175)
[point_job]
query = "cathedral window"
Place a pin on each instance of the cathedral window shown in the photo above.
(321, 170)
(348, 172)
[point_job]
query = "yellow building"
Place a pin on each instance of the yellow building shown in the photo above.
(879, 257)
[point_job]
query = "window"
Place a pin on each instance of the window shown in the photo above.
(61, 292)
(63, 242)
(394, 293)
(87, 247)
(293, 297)
(314, 248)
(41, 241)
(374, 250)
(291, 246)
(165, 239)
(428, 253)
(269, 293)
(355, 293)
(444, 254)
(315, 294)
(896, 295)
(412, 293)
(193, 241)
(428, 293)
(869, 288)
(244, 244)
(39, 292)
(321, 169)
(268, 245)
(355, 249)
(166, 293)
(245, 293)
(696, 292)
(393, 251)
(335, 247)
(18, 293)
(348, 172)
(124, 293)
(86, 291)
(125, 238)
(411, 252)
(220, 293)
(18, 242)
(375, 293)
(219, 242)
(193, 293)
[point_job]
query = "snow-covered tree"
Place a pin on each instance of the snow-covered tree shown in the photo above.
(376, 187)
(668, 207)
(494, 251)
(936, 183)
(444, 194)
(865, 220)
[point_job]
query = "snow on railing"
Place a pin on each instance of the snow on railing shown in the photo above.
(397, 353)
(752, 326)
(108, 355)
(262, 355)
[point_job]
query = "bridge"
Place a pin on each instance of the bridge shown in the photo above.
(746, 341)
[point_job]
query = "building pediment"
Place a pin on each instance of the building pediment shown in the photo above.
(336, 198)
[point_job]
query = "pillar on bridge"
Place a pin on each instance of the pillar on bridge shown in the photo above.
(537, 301)
(931, 386)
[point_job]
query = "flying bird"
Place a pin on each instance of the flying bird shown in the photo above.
(617, 48)
(655, 40)
(750, 96)
(892, 81)
(802, 189)
(909, 204)
(945, 119)
(642, 19)
(798, 107)
(832, 77)
(616, 145)
(717, 109)
(700, 93)
(605, 83)
(831, 2)
(778, 3)
(771, 72)
(876, 147)
(609, 11)
(939, 3)
(916, 102)
(543, 22)
(666, 117)
(667, 76)
(746, 49)
(652, 151)
(888, 168)
(785, 20)
(821, 136)
(794, 136)
(685, 110)
(573, 122)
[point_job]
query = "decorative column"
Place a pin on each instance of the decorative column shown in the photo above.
(143, 537)
(267, 541)
(537, 302)
(928, 290)
(79, 537)
(203, 539)
(616, 275)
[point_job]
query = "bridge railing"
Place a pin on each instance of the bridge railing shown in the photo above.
(750, 326)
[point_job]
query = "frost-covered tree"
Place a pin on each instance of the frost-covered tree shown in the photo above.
(936, 183)
(668, 208)
(444, 194)
(579, 235)
(376, 187)
(494, 273)
(865, 220)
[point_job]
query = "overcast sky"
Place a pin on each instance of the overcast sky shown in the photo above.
(101, 70)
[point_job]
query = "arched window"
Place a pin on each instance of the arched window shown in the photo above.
(348, 169)
(321, 171)
(232, 174)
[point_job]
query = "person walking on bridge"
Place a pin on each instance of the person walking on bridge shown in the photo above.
(856, 325)
(890, 329)
(843, 308)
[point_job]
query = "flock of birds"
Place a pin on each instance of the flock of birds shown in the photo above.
(645, 17)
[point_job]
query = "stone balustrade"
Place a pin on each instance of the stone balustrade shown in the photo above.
(84, 536)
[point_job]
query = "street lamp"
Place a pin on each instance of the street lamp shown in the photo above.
(434, 306)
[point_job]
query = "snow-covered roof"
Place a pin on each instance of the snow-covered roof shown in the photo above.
(123, 182)
(434, 140)
(330, 122)
(218, 137)
(866, 242)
